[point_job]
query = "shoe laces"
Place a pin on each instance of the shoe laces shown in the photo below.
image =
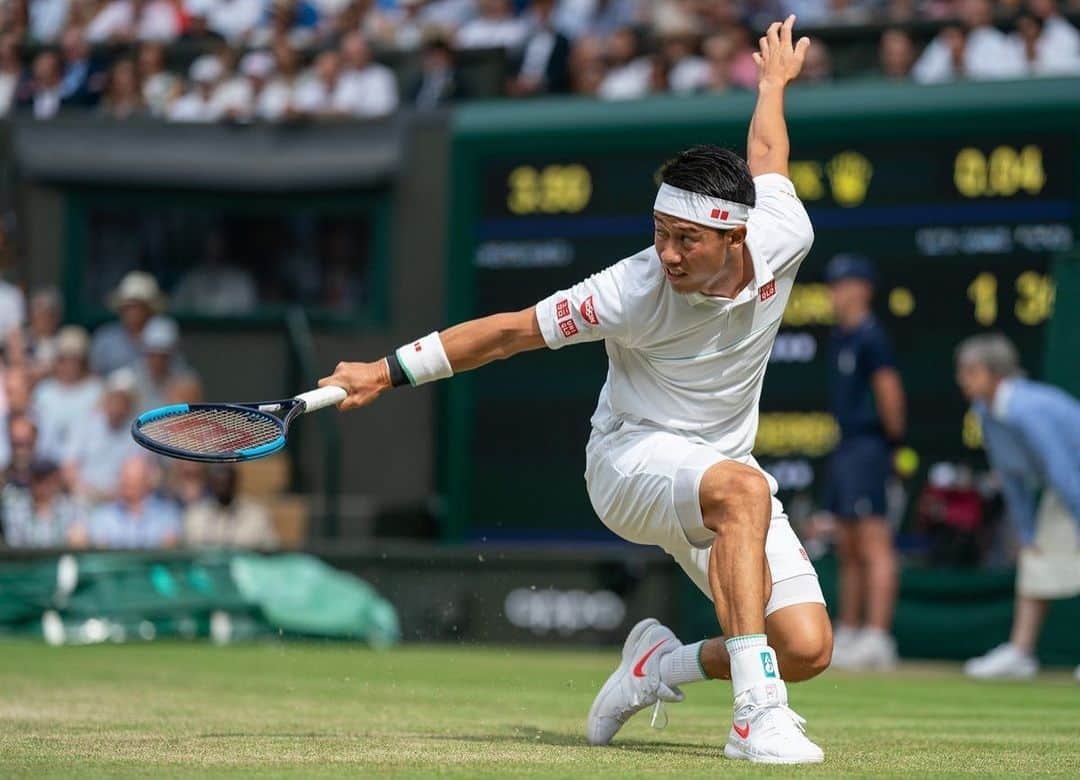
(781, 718)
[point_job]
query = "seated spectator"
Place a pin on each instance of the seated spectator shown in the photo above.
(233, 96)
(46, 89)
(447, 16)
(314, 95)
(197, 32)
(744, 71)
(719, 54)
(896, 55)
(438, 82)
(402, 29)
(817, 68)
(185, 389)
(197, 104)
(276, 99)
(47, 19)
(295, 21)
(123, 95)
(587, 65)
(62, 404)
(234, 20)
(186, 481)
(216, 286)
(12, 73)
(629, 74)
(365, 88)
(102, 444)
(544, 62)
(160, 87)
(17, 455)
(138, 519)
(46, 314)
(12, 304)
(41, 514)
(225, 519)
(256, 69)
(1047, 42)
(494, 27)
(977, 51)
(124, 21)
(598, 17)
(119, 344)
(84, 78)
(687, 72)
(161, 364)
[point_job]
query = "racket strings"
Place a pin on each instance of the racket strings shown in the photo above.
(211, 431)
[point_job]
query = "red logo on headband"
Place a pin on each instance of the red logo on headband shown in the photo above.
(720, 215)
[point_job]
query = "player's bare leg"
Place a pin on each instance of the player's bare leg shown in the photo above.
(801, 635)
(736, 505)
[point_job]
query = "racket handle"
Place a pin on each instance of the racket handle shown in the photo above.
(321, 398)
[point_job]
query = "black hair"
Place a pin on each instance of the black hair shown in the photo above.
(711, 170)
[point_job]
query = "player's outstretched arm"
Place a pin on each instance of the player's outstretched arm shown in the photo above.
(461, 348)
(779, 62)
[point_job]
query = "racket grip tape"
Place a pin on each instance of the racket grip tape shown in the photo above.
(331, 395)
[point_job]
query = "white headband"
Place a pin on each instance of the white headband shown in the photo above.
(701, 209)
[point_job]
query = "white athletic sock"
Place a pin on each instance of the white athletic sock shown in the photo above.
(683, 665)
(753, 662)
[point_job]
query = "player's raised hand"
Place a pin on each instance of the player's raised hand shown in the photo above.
(778, 60)
(364, 382)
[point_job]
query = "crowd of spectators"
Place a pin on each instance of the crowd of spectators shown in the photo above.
(70, 473)
(282, 59)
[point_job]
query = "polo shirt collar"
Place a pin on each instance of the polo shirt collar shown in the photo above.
(762, 276)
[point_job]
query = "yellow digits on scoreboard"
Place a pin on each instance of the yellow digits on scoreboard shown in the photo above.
(796, 433)
(809, 304)
(1035, 297)
(983, 293)
(849, 176)
(553, 190)
(1005, 172)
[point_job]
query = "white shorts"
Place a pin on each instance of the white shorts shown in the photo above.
(643, 484)
(1051, 570)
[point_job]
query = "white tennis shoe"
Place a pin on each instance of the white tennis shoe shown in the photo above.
(635, 684)
(765, 730)
(1006, 661)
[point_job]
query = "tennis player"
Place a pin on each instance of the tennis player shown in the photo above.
(688, 325)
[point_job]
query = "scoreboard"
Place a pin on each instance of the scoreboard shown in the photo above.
(960, 195)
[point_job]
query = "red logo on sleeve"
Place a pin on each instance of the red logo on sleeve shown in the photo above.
(720, 215)
(568, 328)
(588, 311)
(768, 291)
(562, 309)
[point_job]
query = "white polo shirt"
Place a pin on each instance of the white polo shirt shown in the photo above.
(688, 363)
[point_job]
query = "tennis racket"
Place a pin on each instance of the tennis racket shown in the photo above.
(226, 433)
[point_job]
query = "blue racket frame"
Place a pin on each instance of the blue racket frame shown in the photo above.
(292, 407)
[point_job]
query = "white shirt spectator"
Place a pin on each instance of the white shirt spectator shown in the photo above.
(627, 82)
(1058, 49)
(311, 96)
(275, 99)
(448, 14)
(243, 524)
(114, 18)
(158, 90)
(193, 107)
(47, 19)
(8, 82)
(233, 98)
(369, 92)
(60, 411)
(12, 308)
(47, 103)
(233, 19)
(97, 451)
(481, 33)
(988, 54)
(689, 75)
(159, 22)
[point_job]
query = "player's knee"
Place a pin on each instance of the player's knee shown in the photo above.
(735, 488)
(808, 656)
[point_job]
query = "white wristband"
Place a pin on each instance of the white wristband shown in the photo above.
(425, 360)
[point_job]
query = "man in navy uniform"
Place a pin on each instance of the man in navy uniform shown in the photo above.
(868, 403)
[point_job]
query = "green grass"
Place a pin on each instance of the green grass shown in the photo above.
(319, 710)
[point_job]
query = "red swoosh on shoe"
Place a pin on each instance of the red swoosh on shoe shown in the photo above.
(743, 732)
(639, 667)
